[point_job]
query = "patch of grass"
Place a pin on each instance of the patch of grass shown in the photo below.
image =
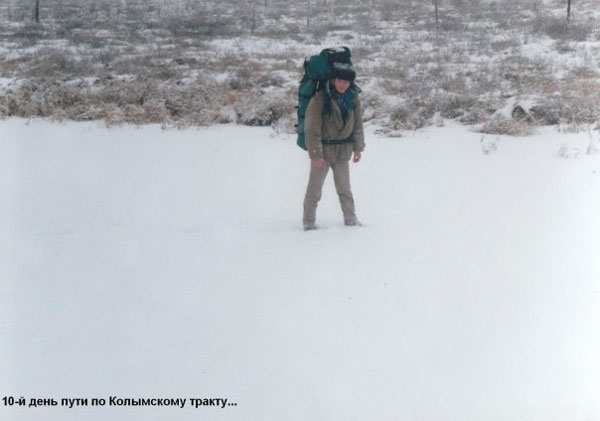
(562, 29)
(188, 62)
(510, 127)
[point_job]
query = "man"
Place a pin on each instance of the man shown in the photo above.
(334, 134)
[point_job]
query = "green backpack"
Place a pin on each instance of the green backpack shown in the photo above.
(317, 70)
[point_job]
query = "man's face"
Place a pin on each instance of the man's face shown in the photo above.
(341, 85)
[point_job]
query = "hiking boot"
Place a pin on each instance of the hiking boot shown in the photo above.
(310, 226)
(352, 222)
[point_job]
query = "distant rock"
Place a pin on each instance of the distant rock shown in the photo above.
(519, 113)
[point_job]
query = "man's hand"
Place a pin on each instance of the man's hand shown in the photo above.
(319, 162)
(357, 156)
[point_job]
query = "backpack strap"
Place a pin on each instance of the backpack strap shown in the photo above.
(326, 101)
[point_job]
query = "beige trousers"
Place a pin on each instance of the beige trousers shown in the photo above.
(341, 177)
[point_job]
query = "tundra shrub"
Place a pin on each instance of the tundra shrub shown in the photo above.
(562, 29)
(511, 127)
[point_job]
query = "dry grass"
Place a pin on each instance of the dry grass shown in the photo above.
(162, 62)
(508, 126)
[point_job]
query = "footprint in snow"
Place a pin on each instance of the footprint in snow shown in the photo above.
(489, 145)
(568, 153)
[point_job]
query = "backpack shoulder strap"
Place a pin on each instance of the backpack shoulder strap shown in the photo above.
(326, 101)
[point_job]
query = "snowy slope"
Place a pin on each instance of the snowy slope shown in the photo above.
(142, 263)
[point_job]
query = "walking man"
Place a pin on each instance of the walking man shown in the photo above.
(334, 135)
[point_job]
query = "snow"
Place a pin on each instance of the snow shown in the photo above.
(149, 263)
(6, 82)
(253, 45)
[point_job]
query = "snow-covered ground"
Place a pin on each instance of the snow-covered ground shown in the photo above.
(142, 263)
(198, 63)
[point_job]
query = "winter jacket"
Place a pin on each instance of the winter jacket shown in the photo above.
(319, 126)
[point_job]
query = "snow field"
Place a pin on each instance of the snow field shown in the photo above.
(137, 262)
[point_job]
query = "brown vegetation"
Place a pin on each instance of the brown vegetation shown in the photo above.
(187, 62)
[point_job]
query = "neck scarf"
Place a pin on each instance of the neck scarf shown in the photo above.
(344, 101)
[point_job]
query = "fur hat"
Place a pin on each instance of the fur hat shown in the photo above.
(343, 71)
